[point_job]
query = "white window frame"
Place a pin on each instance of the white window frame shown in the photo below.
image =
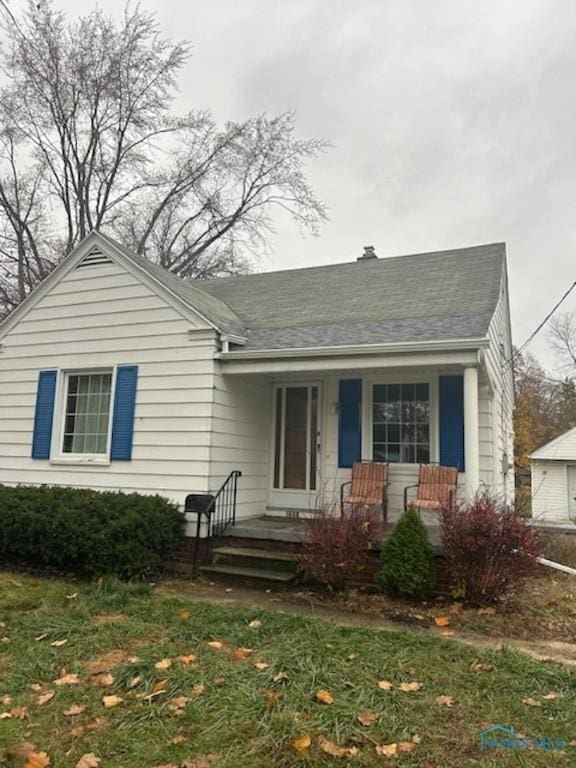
(367, 416)
(57, 454)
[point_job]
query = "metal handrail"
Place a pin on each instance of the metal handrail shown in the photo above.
(219, 514)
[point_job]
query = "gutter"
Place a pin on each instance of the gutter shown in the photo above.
(358, 349)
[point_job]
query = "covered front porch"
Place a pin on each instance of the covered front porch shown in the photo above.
(323, 413)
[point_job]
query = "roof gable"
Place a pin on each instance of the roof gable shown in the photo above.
(97, 249)
(562, 448)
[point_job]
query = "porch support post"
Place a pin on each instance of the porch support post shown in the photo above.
(471, 432)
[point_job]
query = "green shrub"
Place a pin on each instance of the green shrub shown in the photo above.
(87, 532)
(407, 558)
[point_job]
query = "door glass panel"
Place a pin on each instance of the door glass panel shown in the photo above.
(295, 440)
(278, 437)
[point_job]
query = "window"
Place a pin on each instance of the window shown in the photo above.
(87, 413)
(401, 423)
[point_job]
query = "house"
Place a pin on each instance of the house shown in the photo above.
(553, 469)
(115, 374)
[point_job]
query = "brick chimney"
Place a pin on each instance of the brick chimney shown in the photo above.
(369, 253)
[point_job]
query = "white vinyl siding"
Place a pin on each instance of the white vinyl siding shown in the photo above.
(100, 317)
(549, 490)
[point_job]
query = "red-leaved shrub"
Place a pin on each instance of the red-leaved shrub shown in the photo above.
(489, 551)
(336, 546)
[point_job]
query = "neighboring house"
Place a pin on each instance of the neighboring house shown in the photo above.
(554, 479)
(115, 374)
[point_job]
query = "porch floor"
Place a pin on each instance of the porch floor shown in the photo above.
(293, 530)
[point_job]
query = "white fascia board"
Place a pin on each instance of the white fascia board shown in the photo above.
(233, 364)
(359, 349)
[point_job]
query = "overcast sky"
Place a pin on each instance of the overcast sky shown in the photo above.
(452, 122)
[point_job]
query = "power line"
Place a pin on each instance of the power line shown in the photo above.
(539, 327)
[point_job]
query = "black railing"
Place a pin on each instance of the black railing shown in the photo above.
(214, 513)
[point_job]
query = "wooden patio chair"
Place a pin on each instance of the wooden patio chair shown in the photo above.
(368, 486)
(437, 487)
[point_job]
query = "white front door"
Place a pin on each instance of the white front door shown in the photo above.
(296, 446)
(572, 492)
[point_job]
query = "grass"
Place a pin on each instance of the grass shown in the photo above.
(241, 714)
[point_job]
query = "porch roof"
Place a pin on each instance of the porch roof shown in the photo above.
(440, 296)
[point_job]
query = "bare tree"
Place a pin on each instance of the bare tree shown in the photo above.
(91, 143)
(563, 340)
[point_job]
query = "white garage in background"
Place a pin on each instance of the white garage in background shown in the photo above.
(554, 479)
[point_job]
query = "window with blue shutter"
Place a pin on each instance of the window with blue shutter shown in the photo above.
(123, 414)
(349, 422)
(44, 415)
(451, 416)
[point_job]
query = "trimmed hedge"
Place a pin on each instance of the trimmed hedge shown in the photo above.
(86, 532)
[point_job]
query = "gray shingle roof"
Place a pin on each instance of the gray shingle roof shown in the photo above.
(423, 297)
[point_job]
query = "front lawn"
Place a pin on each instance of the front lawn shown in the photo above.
(142, 681)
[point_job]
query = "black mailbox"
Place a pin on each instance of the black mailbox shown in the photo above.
(198, 502)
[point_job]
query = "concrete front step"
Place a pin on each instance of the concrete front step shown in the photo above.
(268, 529)
(262, 559)
(248, 577)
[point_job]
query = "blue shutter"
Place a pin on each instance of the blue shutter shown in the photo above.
(44, 416)
(451, 408)
(350, 422)
(123, 414)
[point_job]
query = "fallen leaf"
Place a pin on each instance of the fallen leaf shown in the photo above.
(530, 702)
(367, 718)
(447, 701)
(74, 710)
(19, 713)
(271, 698)
(351, 657)
(187, 660)
(324, 697)
(334, 750)
(407, 746)
(200, 761)
(219, 680)
(58, 643)
(442, 621)
(163, 664)
(37, 760)
(77, 731)
(385, 685)
(105, 680)
(552, 696)
(407, 687)
(482, 667)
(41, 637)
(133, 682)
(448, 633)
(179, 739)
(6, 700)
(240, 654)
(73, 596)
(35, 687)
(387, 750)
(111, 701)
(302, 743)
(67, 680)
(260, 665)
(89, 760)
(5, 715)
(456, 608)
(178, 705)
(281, 677)
(184, 614)
(255, 624)
(216, 644)
(44, 698)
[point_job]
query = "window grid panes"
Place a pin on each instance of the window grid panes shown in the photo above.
(401, 423)
(87, 413)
